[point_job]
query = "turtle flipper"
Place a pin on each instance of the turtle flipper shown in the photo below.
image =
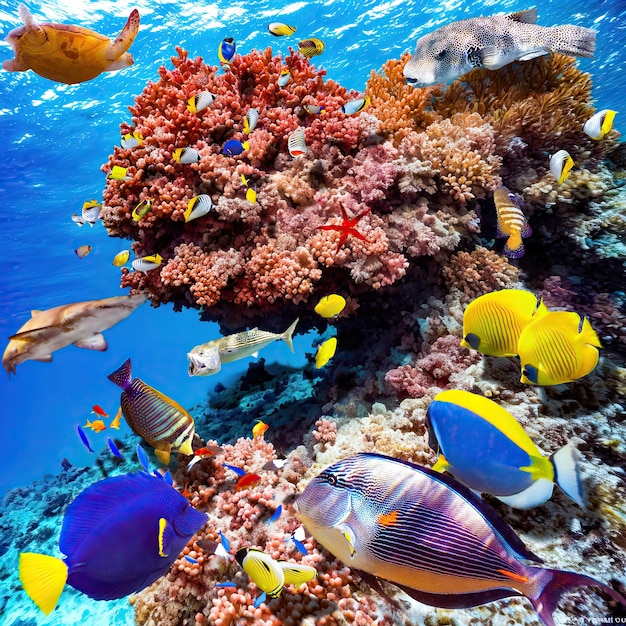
(14, 65)
(126, 37)
(30, 26)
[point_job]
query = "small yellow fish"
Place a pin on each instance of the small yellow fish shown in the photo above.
(599, 124)
(556, 348)
(143, 208)
(147, 263)
(278, 29)
(83, 251)
(200, 101)
(250, 192)
(511, 223)
(91, 212)
(560, 165)
(198, 206)
(330, 306)
(311, 47)
(116, 420)
(131, 140)
(325, 352)
(97, 425)
(259, 429)
(119, 173)
(314, 109)
(356, 106)
(121, 258)
(250, 121)
(185, 156)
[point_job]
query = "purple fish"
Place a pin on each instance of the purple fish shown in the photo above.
(234, 468)
(120, 535)
(83, 437)
(429, 535)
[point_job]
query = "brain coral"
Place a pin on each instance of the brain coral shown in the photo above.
(353, 181)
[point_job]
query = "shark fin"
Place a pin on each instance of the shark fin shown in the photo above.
(44, 359)
(93, 342)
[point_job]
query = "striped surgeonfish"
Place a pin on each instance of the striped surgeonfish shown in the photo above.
(160, 421)
(429, 535)
(493, 322)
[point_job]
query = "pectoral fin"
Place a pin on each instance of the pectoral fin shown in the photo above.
(38, 334)
(349, 536)
(491, 58)
(93, 342)
(441, 465)
(163, 455)
(533, 54)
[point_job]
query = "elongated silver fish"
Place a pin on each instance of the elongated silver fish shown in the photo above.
(207, 358)
(429, 535)
(491, 42)
(78, 323)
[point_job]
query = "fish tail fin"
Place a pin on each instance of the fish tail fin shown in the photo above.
(566, 472)
(43, 578)
(551, 584)
(122, 376)
(514, 247)
(573, 40)
(288, 334)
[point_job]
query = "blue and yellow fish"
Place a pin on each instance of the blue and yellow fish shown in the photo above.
(511, 223)
(483, 445)
(429, 535)
(559, 347)
(119, 535)
(234, 147)
(160, 421)
(493, 322)
(226, 51)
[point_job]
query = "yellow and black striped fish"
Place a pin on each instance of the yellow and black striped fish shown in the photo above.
(311, 47)
(160, 421)
(511, 222)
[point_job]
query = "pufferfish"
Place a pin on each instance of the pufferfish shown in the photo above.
(491, 42)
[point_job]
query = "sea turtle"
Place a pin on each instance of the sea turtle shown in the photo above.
(68, 54)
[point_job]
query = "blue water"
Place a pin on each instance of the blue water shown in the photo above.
(56, 137)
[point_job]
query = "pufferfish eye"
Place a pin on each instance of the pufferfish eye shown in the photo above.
(441, 54)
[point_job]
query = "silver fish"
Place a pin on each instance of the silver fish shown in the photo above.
(429, 535)
(207, 358)
(79, 323)
(491, 42)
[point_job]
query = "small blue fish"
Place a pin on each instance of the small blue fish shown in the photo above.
(191, 559)
(224, 541)
(276, 515)
(83, 437)
(299, 545)
(143, 458)
(120, 535)
(225, 584)
(226, 51)
(114, 449)
(234, 147)
(234, 468)
(261, 598)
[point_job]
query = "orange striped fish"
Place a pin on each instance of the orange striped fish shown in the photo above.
(511, 223)
(160, 421)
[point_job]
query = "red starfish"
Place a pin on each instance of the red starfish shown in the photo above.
(347, 227)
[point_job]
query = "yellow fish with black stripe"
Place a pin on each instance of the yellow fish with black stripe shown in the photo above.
(493, 322)
(559, 347)
(160, 421)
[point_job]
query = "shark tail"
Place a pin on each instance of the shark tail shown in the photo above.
(288, 334)
(122, 376)
(573, 40)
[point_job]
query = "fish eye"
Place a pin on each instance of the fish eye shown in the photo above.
(441, 54)
(530, 371)
(332, 479)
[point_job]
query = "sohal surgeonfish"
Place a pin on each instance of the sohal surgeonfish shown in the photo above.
(493, 322)
(483, 445)
(559, 347)
(160, 421)
(120, 535)
(429, 535)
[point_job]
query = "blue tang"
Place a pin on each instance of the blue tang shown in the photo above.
(429, 535)
(120, 535)
(234, 147)
(484, 446)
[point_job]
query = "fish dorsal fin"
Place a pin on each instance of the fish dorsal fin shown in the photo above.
(94, 506)
(93, 342)
(528, 16)
(35, 312)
